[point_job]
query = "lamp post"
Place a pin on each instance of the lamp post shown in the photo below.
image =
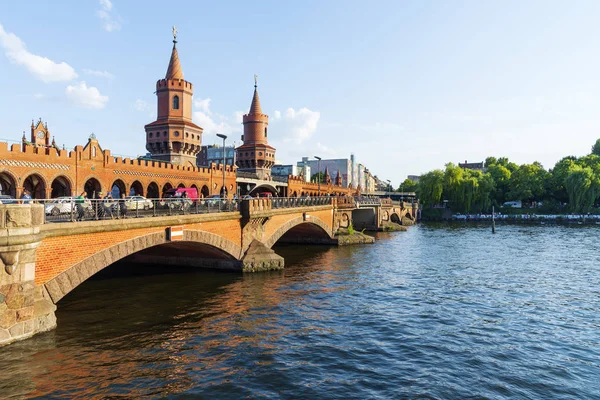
(318, 172)
(223, 137)
(389, 185)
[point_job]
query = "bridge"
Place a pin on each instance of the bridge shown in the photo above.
(44, 258)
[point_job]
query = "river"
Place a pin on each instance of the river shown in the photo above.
(445, 311)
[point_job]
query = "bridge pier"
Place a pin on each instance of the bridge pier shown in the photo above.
(25, 309)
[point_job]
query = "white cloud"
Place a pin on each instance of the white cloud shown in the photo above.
(296, 126)
(86, 97)
(214, 123)
(111, 22)
(203, 105)
(141, 105)
(41, 67)
(102, 74)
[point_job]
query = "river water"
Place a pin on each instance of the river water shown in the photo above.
(440, 311)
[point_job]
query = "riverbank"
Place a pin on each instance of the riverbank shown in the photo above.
(525, 218)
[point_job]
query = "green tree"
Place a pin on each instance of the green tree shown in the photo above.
(408, 186)
(528, 182)
(490, 161)
(430, 187)
(582, 187)
(555, 186)
(500, 175)
(318, 176)
(596, 148)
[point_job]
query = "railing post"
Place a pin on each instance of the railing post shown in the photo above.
(72, 210)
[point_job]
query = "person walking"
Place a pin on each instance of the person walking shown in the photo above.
(79, 202)
(98, 208)
(107, 205)
(122, 206)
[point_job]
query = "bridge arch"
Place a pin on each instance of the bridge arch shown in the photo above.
(65, 282)
(152, 192)
(316, 222)
(394, 217)
(265, 187)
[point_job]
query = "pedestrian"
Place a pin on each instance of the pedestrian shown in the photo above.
(108, 205)
(122, 206)
(79, 202)
(98, 208)
(26, 197)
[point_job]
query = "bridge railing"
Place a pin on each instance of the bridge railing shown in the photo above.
(367, 201)
(71, 209)
(291, 202)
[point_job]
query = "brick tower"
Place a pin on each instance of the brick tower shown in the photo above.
(255, 155)
(173, 137)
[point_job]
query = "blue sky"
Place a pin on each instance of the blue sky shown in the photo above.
(405, 86)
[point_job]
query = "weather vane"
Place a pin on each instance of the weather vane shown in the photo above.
(174, 33)
(255, 80)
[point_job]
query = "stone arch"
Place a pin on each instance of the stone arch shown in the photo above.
(293, 223)
(118, 188)
(65, 282)
(181, 185)
(8, 184)
(36, 184)
(61, 186)
(136, 188)
(152, 192)
(394, 217)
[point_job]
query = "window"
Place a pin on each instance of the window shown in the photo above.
(93, 151)
(175, 102)
(150, 135)
(165, 133)
(175, 133)
(265, 131)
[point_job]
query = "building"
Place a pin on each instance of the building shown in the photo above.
(343, 166)
(295, 170)
(214, 154)
(173, 137)
(479, 166)
(255, 155)
(46, 171)
(414, 178)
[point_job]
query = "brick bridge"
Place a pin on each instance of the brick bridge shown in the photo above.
(42, 262)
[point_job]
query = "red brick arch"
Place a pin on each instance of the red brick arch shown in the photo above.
(295, 222)
(72, 277)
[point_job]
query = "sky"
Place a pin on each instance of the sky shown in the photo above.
(406, 86)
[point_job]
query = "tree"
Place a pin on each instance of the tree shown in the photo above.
(320, 176)
(527, 182)
(582, 187)
(500, 176)
(490, 161)
(596, 148)
(555, 186)
(430, 187)
(408, 186)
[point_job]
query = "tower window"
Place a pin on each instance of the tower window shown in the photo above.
(265, 131)
(175, 102)
(150, 135)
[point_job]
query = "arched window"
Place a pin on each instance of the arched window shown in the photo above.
(265, 131)
(175, 102)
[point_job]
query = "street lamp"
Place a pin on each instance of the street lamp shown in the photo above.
(389, 185)
(318, 172)
(223, 137)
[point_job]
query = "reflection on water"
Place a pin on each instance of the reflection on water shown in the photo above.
(440, 311)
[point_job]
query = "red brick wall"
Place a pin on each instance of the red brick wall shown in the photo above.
(57, 254)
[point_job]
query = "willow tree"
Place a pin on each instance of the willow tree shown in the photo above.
(430, 187)
(582, 187)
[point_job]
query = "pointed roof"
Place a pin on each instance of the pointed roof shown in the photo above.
(255, 106)
(174, 71)
(338, 175)
(326, 171)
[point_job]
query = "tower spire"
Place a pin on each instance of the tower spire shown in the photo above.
(174, 71)
(255, 106)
